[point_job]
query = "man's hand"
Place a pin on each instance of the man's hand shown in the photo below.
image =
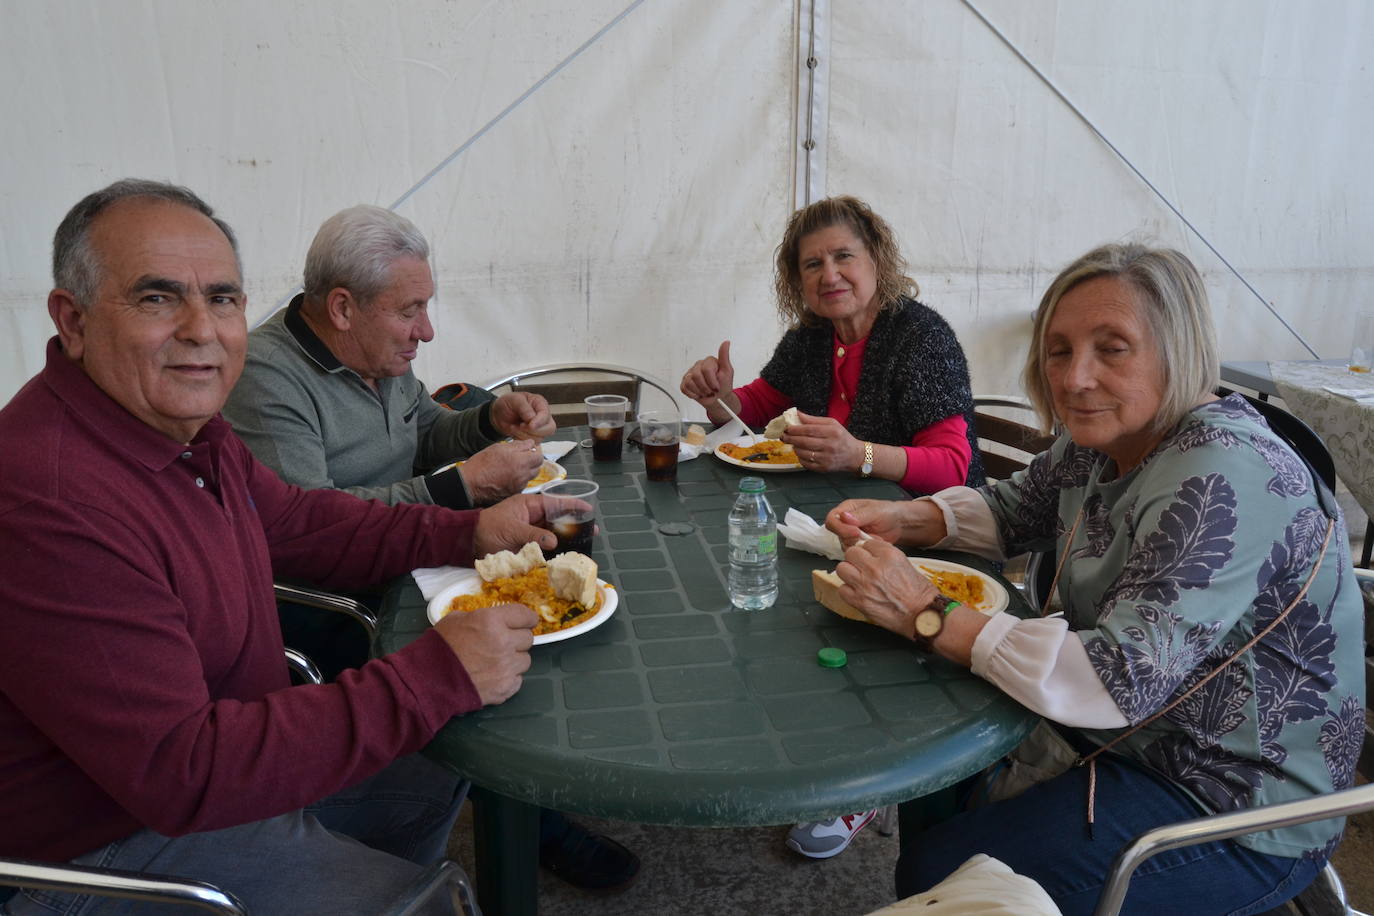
(510, 525)
(879, 581)
(499, 470)
(522, 416)
(493, 643)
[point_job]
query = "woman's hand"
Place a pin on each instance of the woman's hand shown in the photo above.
(918, 522)
(854, 519)
(711, 379)
(881, 582)
(823, 444)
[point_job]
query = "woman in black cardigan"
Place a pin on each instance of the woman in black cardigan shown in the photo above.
(879, 379)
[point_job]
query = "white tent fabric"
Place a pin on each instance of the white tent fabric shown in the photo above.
(627, 210)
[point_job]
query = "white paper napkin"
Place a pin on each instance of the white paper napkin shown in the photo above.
(727, 432)
(801, 532)
(434, 579)
(554, 450)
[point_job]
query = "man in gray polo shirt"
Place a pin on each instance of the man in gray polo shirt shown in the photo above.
(328, 398)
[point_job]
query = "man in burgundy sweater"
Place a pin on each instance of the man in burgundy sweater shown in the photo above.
(146, 718)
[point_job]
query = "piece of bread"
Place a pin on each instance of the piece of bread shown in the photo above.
(825, 586)
(503, 564)
(695, 435)
(529, 557)
(778, 425)
(573, 578)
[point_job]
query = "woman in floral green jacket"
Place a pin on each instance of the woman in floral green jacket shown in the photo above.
(1188, 530)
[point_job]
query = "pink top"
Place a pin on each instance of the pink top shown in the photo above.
(938, 456)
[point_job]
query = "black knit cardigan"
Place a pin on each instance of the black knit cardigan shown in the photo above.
(914, 374)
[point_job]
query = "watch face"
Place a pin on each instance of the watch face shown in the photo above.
(929, 623)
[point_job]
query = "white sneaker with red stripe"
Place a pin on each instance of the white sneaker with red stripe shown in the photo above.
(823, 839)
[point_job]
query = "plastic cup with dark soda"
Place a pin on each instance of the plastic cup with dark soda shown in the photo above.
(606, 417)
(659, 432)
(570, 513)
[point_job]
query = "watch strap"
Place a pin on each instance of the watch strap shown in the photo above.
(867, 468)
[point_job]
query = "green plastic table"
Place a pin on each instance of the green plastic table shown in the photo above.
(681, 710)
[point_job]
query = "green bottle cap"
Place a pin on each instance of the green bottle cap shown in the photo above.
(830, 657)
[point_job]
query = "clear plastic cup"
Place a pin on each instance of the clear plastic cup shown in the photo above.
(606, 417)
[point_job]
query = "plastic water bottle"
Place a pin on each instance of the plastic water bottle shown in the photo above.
(753, 579)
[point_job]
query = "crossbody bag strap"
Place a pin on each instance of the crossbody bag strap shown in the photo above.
(1091, 759)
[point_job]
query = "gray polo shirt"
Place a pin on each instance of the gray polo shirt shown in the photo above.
(318, 424)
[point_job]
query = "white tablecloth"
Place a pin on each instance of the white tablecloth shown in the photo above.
(1344, 423)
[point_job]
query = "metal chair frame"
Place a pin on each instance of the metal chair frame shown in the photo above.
(515, 381)
(108, 882)
(1237, 823)
(301, 666)
(327, 601)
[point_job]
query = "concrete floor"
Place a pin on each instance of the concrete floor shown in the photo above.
(691, 871)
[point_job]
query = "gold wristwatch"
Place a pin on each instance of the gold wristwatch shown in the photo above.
(867, 467)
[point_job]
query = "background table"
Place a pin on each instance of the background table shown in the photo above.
(1254, 374)
(681, 710)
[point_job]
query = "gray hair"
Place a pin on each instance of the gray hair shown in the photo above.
(75, 264)
(1174, 302)
(355, 248)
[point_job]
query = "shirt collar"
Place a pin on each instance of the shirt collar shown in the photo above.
(308, 340)
(111, 421)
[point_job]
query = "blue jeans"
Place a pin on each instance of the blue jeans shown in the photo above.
(353, 852)
(1043, 834)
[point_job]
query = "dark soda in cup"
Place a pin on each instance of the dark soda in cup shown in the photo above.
(660, 461)
(607, 442)
(573, 535)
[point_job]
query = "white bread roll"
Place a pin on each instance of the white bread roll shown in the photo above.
(778, 425)
(825, 586)
(696, 435)
(573, 578)
(503, 564)
(529, 557)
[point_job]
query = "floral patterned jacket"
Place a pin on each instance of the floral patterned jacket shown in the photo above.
(1174, 566)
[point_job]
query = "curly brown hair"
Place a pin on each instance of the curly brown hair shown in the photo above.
(870, 228)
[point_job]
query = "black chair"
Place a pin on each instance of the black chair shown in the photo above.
(1007, 445)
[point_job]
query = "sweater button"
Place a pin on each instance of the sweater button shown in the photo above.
(840, 352)
(186, 454)
(200, 482)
